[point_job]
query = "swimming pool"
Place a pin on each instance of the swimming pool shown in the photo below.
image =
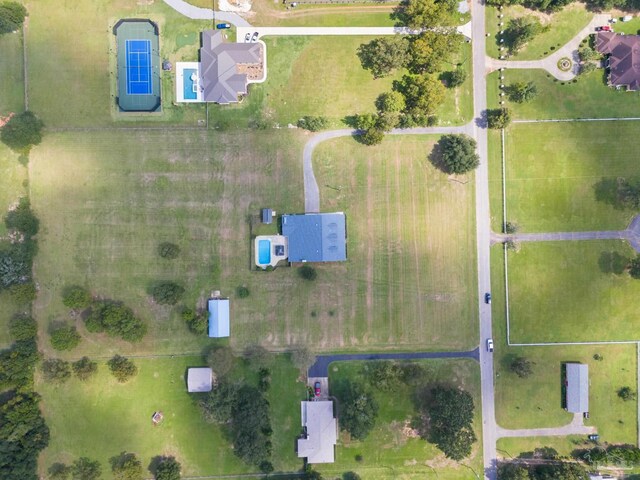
(190, 83)
(264, 252)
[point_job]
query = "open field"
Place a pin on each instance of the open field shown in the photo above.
(536, 401)
(388, 452)
(588, 97)
(11, 74)
(564, 292)
(100, 418)
(551, 184)
(564, 25)
(106, 200)
(513, 447)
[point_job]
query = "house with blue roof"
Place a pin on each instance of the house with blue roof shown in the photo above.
(218, 317)
(316, 237)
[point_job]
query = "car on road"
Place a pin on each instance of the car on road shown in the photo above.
(594, 437)
(487, 298)
(247, 38)
(254, 38)
(316, 389)
(489, 345)
(223, 26)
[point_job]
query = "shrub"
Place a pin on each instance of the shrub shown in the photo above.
(498, 118)
(168, 250)
(313, 124)
(126, 466)
(116, 319)
(76, 297)
(12, 15)
(86, 469)
(122, 368)
(307, 272)
(167, 293)
(242, 292)
(196, 322)
(626, 394)
(59, 471)
(456, 78)
(457, 154)
(56, 370)
(65, 338)
(23, 327)
(168, 469)
(22, 132)
(372, 136)
(84, 368)
(22, 218)
(23, 293)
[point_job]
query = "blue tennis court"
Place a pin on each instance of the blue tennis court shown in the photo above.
(139, 67)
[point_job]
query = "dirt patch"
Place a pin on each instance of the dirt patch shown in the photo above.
(5, 120)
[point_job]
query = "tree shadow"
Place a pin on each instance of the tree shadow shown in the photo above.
(606, 191)
(612, 262)
(436, 158)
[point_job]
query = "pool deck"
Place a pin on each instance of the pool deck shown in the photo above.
(276, 240)
(180, 68)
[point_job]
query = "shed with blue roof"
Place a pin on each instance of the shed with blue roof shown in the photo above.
(316, 237)
(218, 317)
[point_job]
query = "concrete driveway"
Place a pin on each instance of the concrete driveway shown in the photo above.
(324, 386)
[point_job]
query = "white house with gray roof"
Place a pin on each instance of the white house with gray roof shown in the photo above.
(321, 432)
(226, 69)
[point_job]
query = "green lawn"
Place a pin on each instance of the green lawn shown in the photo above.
(388, 452)
(588, 97)
(101, 418)
(563, 292)
(512, 447)
(551, 184)
(564, 25)
(563, 306)
(11, 74)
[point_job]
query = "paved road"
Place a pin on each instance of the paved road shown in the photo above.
(311, 190)
(576, 427)
(197, 13)
(550, 63)
(321, 367)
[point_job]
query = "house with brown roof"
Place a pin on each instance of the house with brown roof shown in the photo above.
(624, 58)
(226, 69)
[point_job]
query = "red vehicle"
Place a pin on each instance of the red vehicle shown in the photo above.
(604, 28)
(316, 389)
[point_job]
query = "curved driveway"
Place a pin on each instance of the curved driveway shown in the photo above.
(321, 366)
(197, 13)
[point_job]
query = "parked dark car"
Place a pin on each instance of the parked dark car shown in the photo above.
(487, 298)
(254, 37)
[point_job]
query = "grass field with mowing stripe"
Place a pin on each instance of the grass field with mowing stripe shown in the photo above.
(11, 74)
(553, 169)
(389, 446)
(556, 305)
(100, 418)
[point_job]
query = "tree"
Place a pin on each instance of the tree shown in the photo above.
(115, 319)
(23, 327)
(587, 54)
(13, 270)
(168, 250)
(65, 338)
(457, 154)
(358, 410)
(418, 14)
(626, 394)
(522, 367)
(167, 293)
(372, 136)
(242, 291)
(447, 416)
(521, 92)
(258, 357)
(23, 293)
(168, 469)
(86, 469)
(429, 50)
(313, 124)
(217, 406)
(521, 30)
(560, 470)
(456, 77)
(350, 476)
(587, 68)
(22, 219)
(221, 360)
(634, 267)
(126, 466)
(511, 471)
(197, 322)
(382, 56)
(384, 375)
(423, 94)
(389, 102)
(84, 368)
(12, 15)
(76, 297)
(302, 358)
(122, 368)
(251, 426)
(56, 370)
(307, 272)
(498, 118)
(59, 471)
(23, 131)
(17, 364)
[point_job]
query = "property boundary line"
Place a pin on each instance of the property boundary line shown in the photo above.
(566, 120)
(24, 66)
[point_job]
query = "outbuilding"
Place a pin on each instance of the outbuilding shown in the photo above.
(577, 387)
(199, 380)
(218, 317)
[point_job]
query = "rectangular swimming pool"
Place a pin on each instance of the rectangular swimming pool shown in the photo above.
(264, 252)
(190, 83)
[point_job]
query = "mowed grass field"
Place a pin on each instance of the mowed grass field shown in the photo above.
(563, 26)
(389, 451)
(100, 418)
(588, 97)
(564, 292)
(11, 74)
(535, 402)
(552, 171)
(411, 274)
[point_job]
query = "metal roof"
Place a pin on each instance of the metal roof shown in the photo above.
(218, 317)
(316, 237)
(199, 380)
(220, 80)
(322, 432)
(267, 215)
(577, 387)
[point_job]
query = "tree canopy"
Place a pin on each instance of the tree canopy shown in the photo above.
(521, 92)
(522, 367)
(56, 370)
(417, 14)
(382, 56)
(116, 319)
(423, 94)
(23, 131)
(84, 368)
(521, 30)
(168, 468)
(86, 469)
(456, 154)
(12, 15)
(65, 338)
(167, 293)
(498, 118)
(126, 466)
(429, 50)
(22, 219)
(76, 297)
(122, 368)
(358, 409)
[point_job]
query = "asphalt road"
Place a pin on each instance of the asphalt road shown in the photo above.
(321, 367)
